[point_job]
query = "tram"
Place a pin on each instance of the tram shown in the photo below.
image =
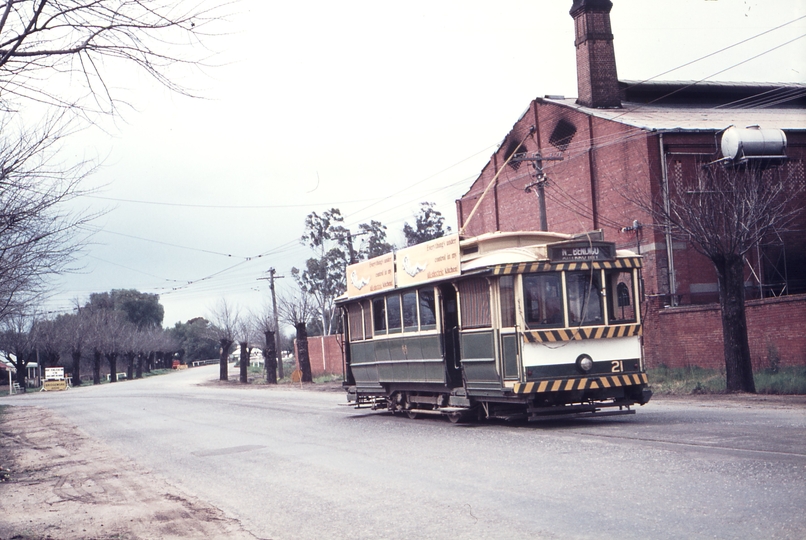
(508, 325)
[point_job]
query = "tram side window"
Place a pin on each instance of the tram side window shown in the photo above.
(379, 316)
(365, 306)
(428, 314)
(356, 320)
(584, 298)
(621, 305)
(474, 298)
(393, 314)
(543, 301)
(410, 311)
(506, 287)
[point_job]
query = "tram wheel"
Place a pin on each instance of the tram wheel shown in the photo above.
(455, 417)
(413, 415)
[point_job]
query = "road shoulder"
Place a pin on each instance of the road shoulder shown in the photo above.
(64, 484)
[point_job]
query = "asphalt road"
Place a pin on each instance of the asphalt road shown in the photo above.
(289, 463)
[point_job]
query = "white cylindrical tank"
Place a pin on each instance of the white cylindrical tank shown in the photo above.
(752, 142)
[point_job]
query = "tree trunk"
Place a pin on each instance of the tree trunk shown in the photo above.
(304, 361)
(96, 367)
(22, 372)
(150, 361)
(223, 352)
(270, 358)
(244, 361)
(112, 358)
(139, 371)
(130, 365)
(738, 366)
(76, 367)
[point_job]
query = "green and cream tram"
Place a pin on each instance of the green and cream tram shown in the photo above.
(505, 325)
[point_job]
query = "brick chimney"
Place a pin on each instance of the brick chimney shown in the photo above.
(597, 81)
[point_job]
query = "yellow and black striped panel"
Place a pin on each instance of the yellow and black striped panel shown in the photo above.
(529, 267)
(576, 334)
(582, 383)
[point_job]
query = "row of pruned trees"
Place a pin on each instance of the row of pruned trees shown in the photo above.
(104, 336)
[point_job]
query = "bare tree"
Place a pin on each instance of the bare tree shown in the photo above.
(245, 334)
(226, 321)
(39, 235)
(724, 211)
(47, 42)
(263, 322)
(76, 327)
(17, 344)
(297, 311)
(48, 338)
(63, 54)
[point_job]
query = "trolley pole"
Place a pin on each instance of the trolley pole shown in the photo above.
(540, 181)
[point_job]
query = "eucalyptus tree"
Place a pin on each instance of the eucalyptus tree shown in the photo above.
(429, 224)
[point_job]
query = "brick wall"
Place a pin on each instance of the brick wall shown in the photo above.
(332, 362)
(692, 335)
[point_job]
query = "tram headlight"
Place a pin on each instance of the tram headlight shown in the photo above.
(584, 363)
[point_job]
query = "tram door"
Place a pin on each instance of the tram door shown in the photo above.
(478, 339)
(450, 335)
(508, 337)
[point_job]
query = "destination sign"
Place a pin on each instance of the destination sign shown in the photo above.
(582, 250)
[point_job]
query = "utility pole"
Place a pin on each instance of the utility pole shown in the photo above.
(277, 351)
(540, 181)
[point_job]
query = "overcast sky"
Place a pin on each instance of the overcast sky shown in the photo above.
(370, 107)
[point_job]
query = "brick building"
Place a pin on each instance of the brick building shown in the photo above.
(619, 142)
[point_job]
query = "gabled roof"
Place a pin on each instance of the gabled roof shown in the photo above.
(703, 106)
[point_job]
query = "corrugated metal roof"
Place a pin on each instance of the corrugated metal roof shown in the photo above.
(692, 118)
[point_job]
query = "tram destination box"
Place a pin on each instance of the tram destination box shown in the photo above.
(582, 250)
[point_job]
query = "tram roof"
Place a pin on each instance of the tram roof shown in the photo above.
(500, 248)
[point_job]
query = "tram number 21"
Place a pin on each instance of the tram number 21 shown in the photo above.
(616, 366)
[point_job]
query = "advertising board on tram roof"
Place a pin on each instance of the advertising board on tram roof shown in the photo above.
(429, 261)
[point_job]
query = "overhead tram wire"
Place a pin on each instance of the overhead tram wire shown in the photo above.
(216, 206)
(686, 87)
(718, 51)
(96, 230)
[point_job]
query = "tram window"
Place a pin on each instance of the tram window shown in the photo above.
(356, 322)
(428, 315)
(365, 306)
(393, 313)
(379, 316)
(584, 298)
(621, 307)
(506, 287)
(474, 298)
(410, 311)
(543, 300)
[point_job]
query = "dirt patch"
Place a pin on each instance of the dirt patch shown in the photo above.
(64, 484)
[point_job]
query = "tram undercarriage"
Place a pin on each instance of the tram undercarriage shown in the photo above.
(458, 406)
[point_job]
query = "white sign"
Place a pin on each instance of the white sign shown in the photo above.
(54, 373)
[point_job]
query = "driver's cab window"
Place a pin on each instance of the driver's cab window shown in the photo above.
(584, 298)
(543, 300)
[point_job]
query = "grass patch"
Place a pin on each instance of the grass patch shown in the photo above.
(786, 380)
(696, 380)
